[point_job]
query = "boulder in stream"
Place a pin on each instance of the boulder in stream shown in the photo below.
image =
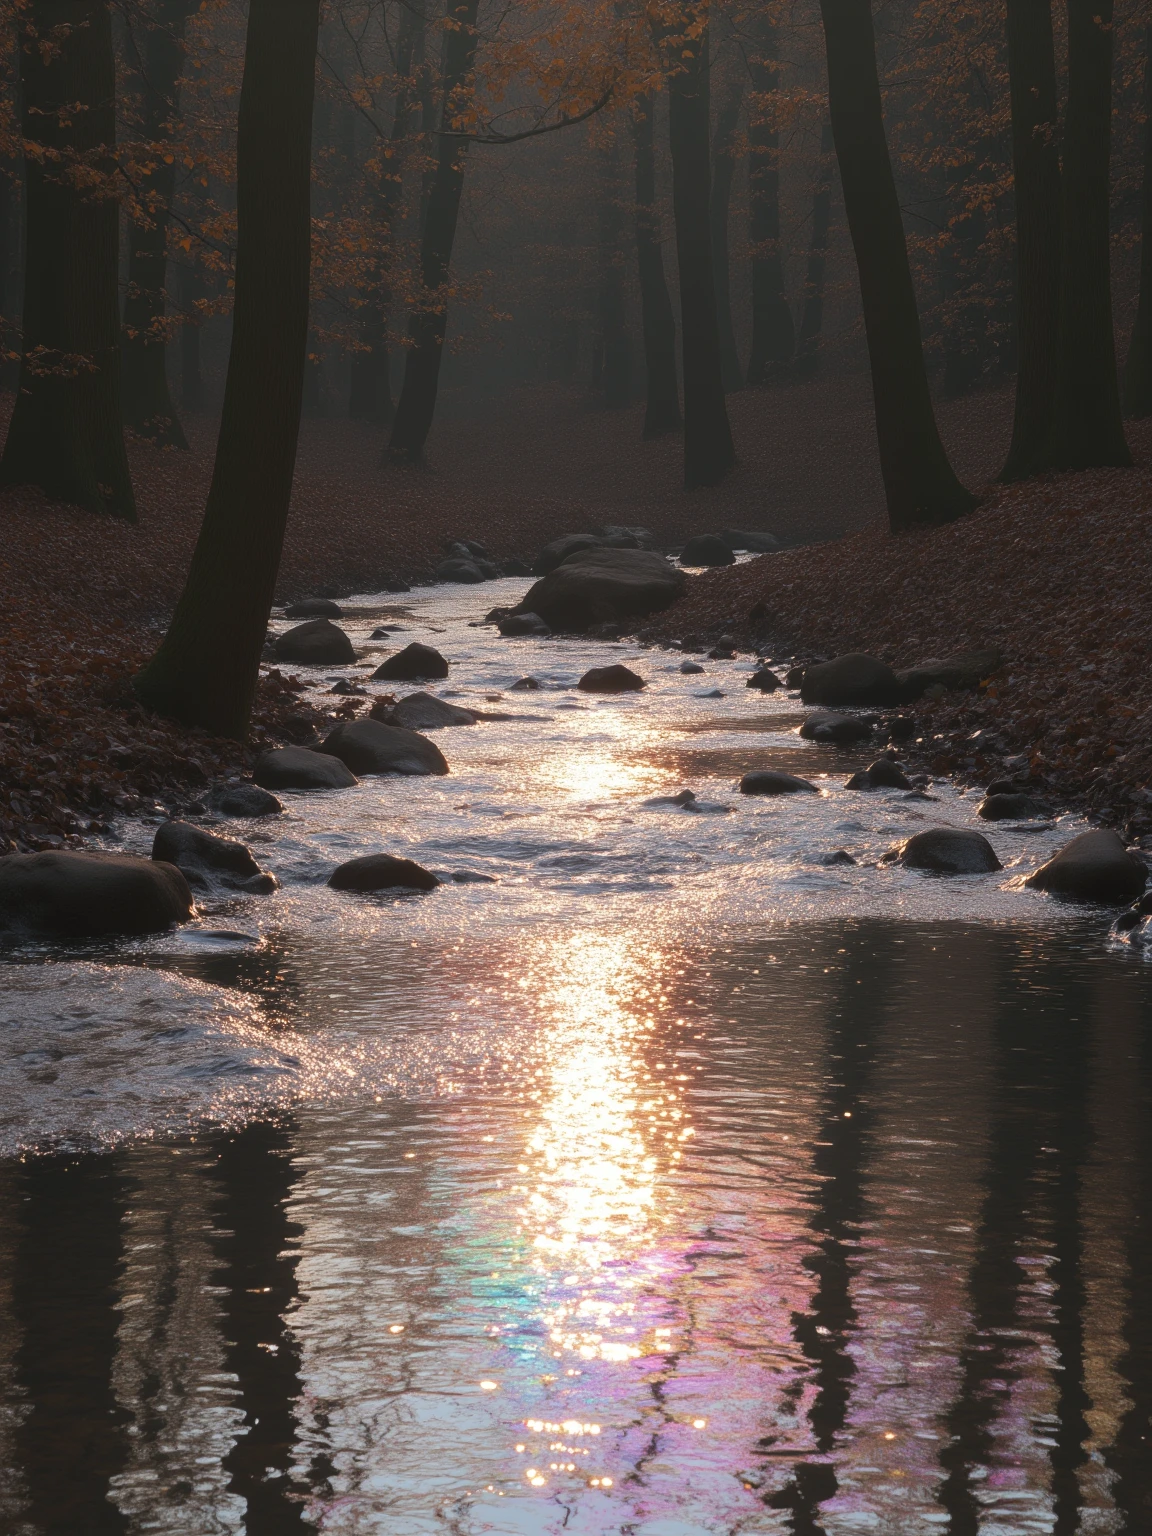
(244, 801)
(555, 553)
(466, 572)
(765, 680)
(423, 712)
(1011, 805)
(89, 895)
(314, 608)
(414, 663)
(690, 668)
(518, 625)
(707, 549)
(750, 543)
(614, 679)
(1096, 867)
(206, 860)
(370, 746)
(604, 586)
(770, 781)
(525, 685)
(882, 774)
(837, 730)
(319, 643)
(382, 872)
(854, 680)
(301, 768)
(949, 851)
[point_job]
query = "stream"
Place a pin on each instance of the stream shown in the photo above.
(665, 1181)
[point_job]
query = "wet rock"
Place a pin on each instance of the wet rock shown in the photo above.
(706, 549)
(839, 730)
(840, 856)
(920, 794)
(319, 643)
(381, 872)
(346, 686)
(517, 624)
(471, 877)
(965, 669)
(525, 685)
(794, 677)
(855, 679)
(205, 859)
(713, 693)
(750, 543)
(950, 851)
(423, 712)
(690, 667)
(768, 781)
(1096, 867)
(245, 801)
(555, 554)
(1011, 807)
(764, 680)
(370, 746)
(681, 802)
(882, 774)
(301, 768)
(87, 895)
(464, 571)
(314, 608)
(386, 631)
(414, 663)
(615, 679)
(604, 586)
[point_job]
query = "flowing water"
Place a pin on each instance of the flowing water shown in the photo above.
(672, 1183)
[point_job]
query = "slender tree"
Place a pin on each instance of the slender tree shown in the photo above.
(429, 323)
(65, 435)
(709, 454)
(773, 332)
(1087, 428)
(723, 169)
(919, 483)
(1036, 167)
(662, 407)
(157, 43)
(206, 668)
(616, 353)
(1138, 367)
(812, 323)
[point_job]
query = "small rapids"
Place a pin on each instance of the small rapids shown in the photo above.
(668, 1181)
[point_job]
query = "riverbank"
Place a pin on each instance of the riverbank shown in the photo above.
(1054, 573)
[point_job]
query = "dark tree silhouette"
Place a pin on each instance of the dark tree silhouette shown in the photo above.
(429, 323)
(662, 409)
(723, 168)
(812, 323)
(919, 483)
(708, 451)
(65, 434)
(615, 350)
(773, 333)
(157, 44)
(1138, 367)
(1087, 429)
(206, 669)
(1036, 166)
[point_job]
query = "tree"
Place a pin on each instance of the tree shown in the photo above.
(429, 323)
(723, 168)
(662, 406)
(709, 454)
(616, 352)
(146, 403)
(1087, 429)
(1138, 368)
(205, 671)
(1036, 168)
(65, 435)
(773, 332)
(812, 323)
(920, 485)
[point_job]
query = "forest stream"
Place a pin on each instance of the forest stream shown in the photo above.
(664, 1181)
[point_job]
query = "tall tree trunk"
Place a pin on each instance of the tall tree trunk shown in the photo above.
(1138, 368)
(662, 407)
(708, 451)
(146, 403)
(65, 434)
(616, 372)
(812, 323)
(919, 483)
(429, 323)
(773, 333)
(206, 669)
(191, 376)
(1036, 167)
(1087, 429)
(723, 167)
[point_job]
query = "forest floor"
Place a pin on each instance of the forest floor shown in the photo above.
(86, 597)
